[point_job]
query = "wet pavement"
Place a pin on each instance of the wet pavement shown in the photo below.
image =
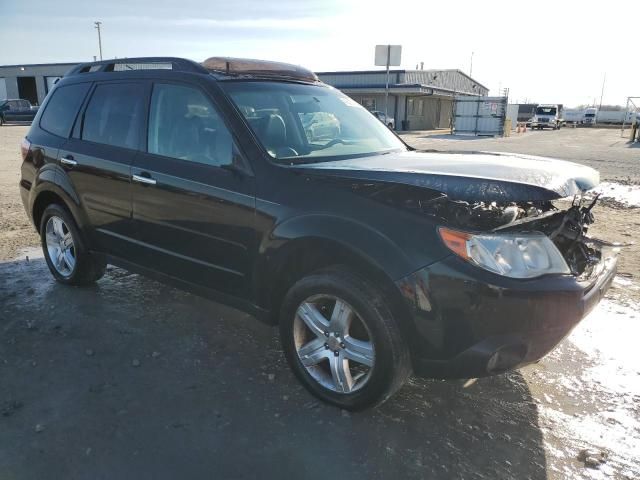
(133, 379)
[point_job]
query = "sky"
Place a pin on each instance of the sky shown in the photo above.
(543, 51)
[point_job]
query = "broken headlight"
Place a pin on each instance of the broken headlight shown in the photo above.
(516, 255)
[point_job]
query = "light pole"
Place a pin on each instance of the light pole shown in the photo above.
(97, 26)
(602, 91)
(471, 66)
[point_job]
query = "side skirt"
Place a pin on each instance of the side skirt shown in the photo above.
(260, 313)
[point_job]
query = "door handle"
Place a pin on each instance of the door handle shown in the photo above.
(68, 160)
(145, 180)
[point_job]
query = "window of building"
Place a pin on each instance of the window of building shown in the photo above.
(415, 106)
(368, 102)
(62, 108)
(184, 124)
(114, 115)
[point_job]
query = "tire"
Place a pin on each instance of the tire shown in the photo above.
(1, 120)
(372, 336)
(75, 266)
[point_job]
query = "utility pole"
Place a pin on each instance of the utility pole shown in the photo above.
(602, 91)
(471, 66)
(386, 89)
(97, 26)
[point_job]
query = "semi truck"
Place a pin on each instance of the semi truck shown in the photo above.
(548, 116)
(590, 115)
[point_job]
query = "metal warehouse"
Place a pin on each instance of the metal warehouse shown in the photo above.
(418, 99)
(30, 82)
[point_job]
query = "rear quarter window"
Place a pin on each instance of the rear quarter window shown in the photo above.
(62, 108)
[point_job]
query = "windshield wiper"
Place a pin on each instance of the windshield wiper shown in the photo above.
(331, 143)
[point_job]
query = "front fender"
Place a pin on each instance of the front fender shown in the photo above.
(365, 242)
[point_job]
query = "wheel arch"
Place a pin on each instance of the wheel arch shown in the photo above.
(50, 187)
(307, 244)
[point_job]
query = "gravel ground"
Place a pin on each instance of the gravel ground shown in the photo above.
(133, 379)
(600, 148)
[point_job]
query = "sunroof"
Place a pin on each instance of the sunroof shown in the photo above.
(245, 66)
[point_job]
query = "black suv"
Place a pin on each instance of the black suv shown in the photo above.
(255, 184)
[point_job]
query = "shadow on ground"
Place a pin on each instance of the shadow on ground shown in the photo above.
(449, 136)
(133, 379)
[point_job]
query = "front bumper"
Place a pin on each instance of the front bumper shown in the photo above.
(467, 322)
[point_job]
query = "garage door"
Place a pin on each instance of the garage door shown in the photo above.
(479, 115)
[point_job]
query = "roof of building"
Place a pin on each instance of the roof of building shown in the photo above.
(434, 70)
(60, 64)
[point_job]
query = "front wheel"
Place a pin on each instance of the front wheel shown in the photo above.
(64, 250)
(342, 341)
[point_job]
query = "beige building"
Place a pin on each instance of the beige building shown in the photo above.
(418, 99)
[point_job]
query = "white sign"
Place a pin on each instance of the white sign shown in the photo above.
(388, 53)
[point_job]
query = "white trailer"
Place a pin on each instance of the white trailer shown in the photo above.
(614, 117)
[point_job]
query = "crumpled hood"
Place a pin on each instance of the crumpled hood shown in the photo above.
(470, 176)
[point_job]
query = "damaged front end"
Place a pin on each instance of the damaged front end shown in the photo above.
(567, 229)
(502, 236)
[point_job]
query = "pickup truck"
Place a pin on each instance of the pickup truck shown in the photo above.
(16, 111)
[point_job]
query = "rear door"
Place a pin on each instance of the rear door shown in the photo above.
(98, 160)
(193, 194)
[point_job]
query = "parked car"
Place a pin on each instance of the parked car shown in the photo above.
(375, 260)
(388, 121)
(320, 126)
(16, 111)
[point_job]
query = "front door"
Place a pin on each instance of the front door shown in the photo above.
(98, 160)
(193, 195)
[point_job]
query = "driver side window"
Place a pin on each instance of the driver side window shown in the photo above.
(184, 124)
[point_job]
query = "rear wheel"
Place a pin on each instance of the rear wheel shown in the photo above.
(1, 120)
(65, 251)
(341, 339)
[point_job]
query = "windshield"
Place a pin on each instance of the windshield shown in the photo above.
(309, 123)
(545, 111)
(589, 115)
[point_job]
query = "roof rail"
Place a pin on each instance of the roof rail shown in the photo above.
(139, 63)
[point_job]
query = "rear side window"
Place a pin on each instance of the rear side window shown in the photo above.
(114, 115)
(62, 108)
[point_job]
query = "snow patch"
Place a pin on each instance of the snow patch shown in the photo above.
(625, 194)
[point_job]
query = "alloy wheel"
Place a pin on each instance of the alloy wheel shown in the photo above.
(60, 246)
(333, 343)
